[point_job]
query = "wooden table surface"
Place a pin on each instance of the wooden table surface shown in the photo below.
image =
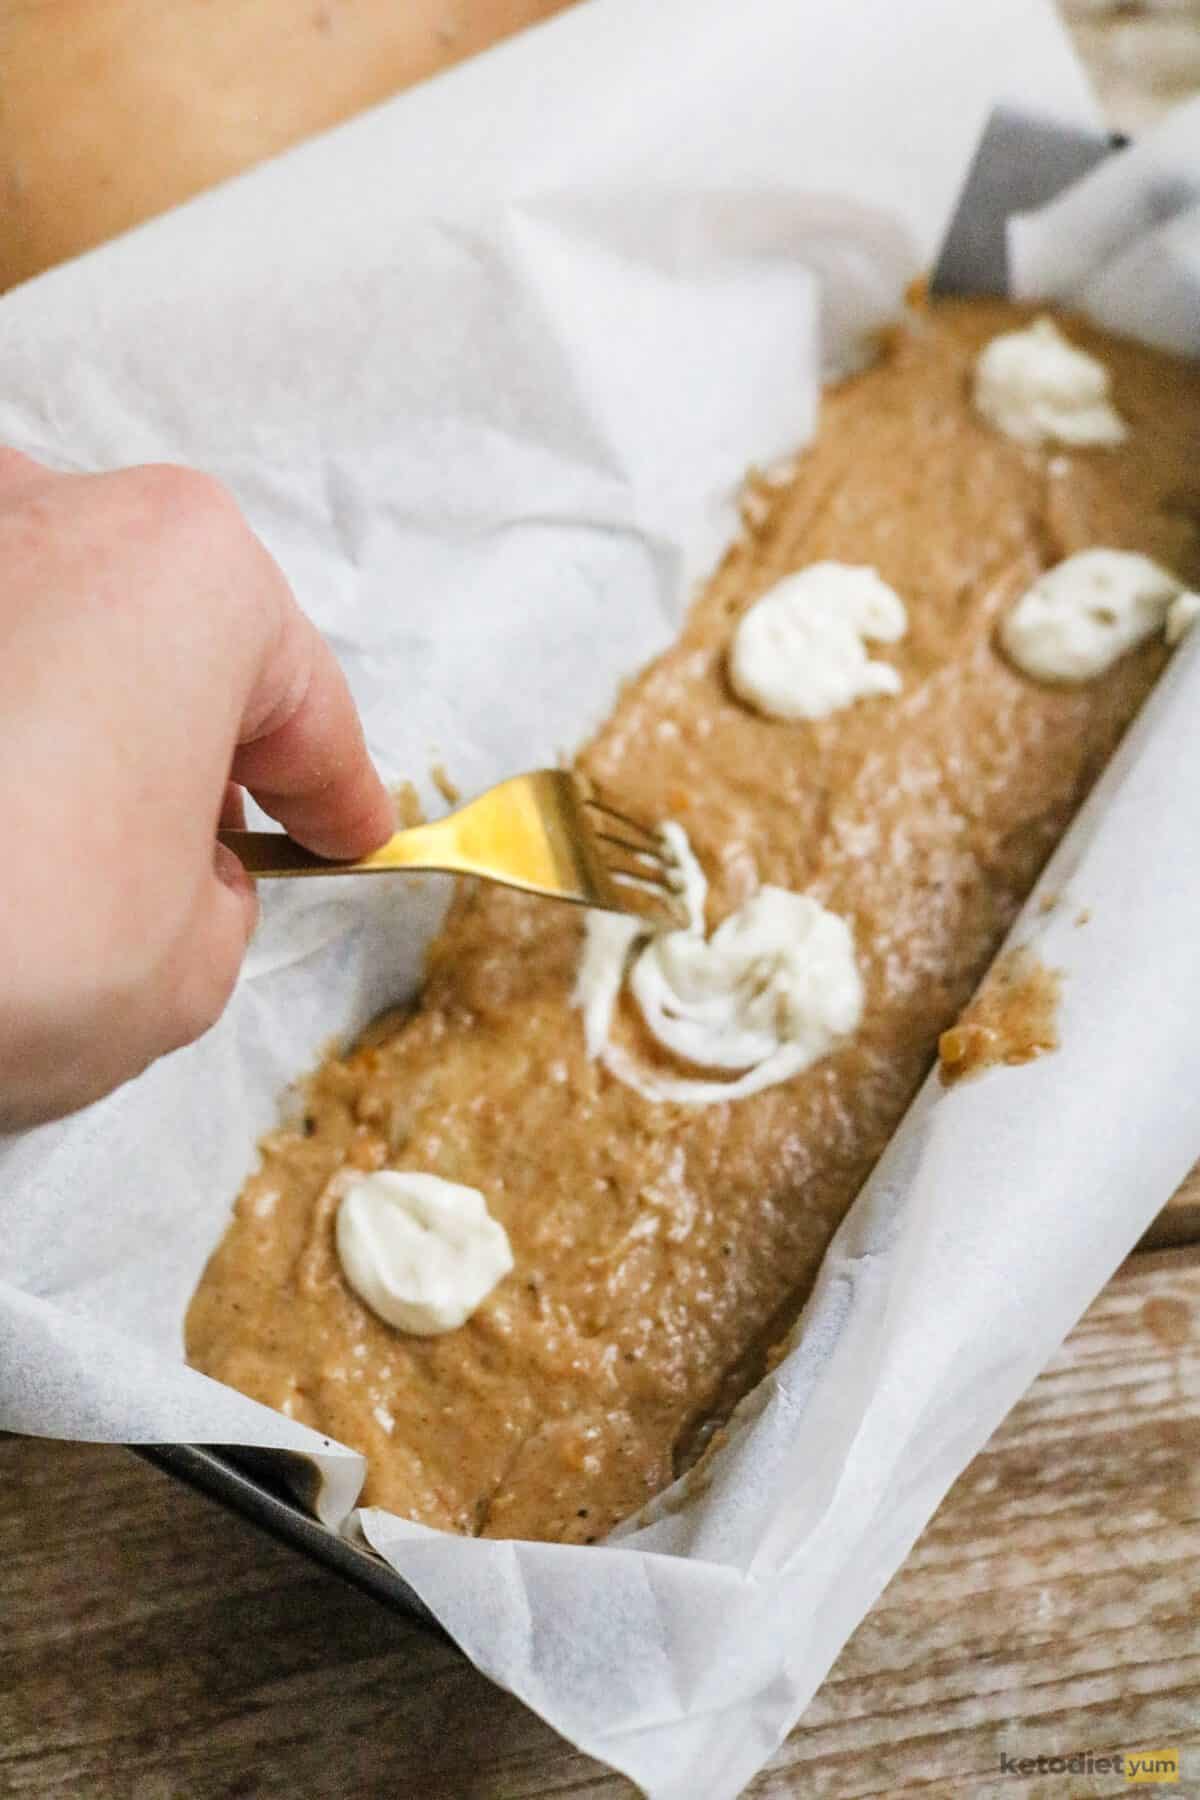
(153, 1648)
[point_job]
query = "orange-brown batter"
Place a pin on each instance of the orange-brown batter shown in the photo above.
(1012, 1019)
(660, 1251)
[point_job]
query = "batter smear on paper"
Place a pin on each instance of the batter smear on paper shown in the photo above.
(1012, 1019)
(660, 1251)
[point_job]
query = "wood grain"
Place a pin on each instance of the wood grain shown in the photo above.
(1179, 1221)
(113, 110)
(155, 1648)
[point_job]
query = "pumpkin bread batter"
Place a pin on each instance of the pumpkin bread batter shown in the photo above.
(1012, 1019)
(660, 1251)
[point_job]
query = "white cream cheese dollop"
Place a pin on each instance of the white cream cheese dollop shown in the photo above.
(1081, 616)
(801, 651)
(1036, 386)
(773, 990)
(1182, 614)
(422, 1253)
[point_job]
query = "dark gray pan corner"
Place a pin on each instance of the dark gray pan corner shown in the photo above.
(255, 1484)
(1022, 162)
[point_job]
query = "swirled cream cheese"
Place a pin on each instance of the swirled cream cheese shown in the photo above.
(772, 990)
(800, 652)
(1079, 617)
(1182, 614)
(423, 1253)
(1037, 387)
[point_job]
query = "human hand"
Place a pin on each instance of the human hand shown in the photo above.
(153, 665)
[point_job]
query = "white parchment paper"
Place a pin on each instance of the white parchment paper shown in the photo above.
(485, 367)
(1124, 245)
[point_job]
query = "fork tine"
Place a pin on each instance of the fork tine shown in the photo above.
(658, 856)
(650, 838)
(623, 871)
(642, 895)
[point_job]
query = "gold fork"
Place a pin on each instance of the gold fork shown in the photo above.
(542, 832)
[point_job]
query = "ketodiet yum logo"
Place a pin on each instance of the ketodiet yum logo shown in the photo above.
(1135, 1765)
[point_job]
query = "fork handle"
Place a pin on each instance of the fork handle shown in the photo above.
(274, 853)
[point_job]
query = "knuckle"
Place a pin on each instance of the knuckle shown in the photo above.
(190, 529)
(184, 496)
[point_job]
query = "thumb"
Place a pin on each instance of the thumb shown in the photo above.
(208, 955)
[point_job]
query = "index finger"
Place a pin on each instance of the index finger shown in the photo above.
(301, 750)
